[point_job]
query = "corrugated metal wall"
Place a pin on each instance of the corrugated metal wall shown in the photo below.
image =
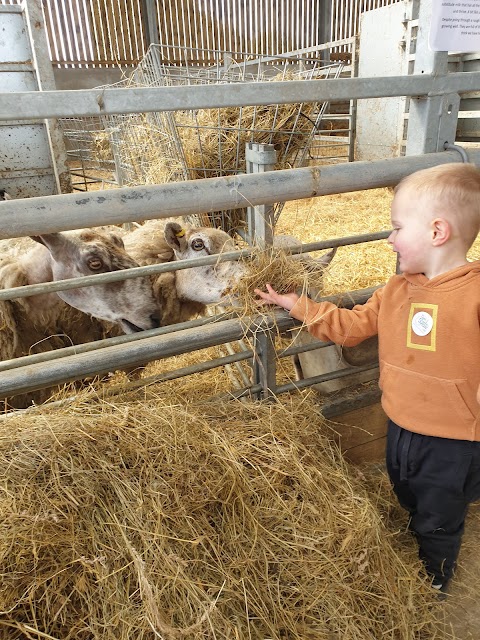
(346, 15)
(106, 33)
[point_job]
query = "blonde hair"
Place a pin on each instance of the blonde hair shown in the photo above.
(454, 190)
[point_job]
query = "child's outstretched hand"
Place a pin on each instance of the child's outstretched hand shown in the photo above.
(286, 301)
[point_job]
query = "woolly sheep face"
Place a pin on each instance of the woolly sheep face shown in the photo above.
(129, 303)
(210, 283)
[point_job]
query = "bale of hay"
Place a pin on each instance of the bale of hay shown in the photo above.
(159, 518)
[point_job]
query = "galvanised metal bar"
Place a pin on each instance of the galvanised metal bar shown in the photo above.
(302, 348)
(200, 367)
(143, 348)
(324, 377)
(69, 368)
(95, 102)
(46, 356)
(127, 274)
(115, 276)
(35, 216)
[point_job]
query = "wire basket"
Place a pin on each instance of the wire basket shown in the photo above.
(189, 144)
(159, 147)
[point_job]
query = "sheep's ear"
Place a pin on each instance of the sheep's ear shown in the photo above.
(39, 239)
(49, 240)
(175, 235)
(116, 239)
(325, 259)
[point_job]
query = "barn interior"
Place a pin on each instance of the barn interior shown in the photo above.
(221, 476)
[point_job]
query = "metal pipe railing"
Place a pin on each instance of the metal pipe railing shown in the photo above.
(140, 349)
(126, 274)
(47, 214)
(27, 105)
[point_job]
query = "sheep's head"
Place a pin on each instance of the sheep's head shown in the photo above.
(129, 303)
(210, 283)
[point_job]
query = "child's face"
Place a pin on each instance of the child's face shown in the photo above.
(411, 235)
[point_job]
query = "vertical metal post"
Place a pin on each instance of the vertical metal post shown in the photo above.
(150, 22)
(325, 28)
(42, 69)
(260, 219)
(432, 120)
(264, 365)
(352, 122)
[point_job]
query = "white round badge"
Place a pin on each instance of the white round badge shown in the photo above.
(422, 323)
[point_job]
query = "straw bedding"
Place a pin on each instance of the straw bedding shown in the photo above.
(163, 518)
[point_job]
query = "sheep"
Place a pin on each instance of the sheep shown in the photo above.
(185, 293)
(49, 321)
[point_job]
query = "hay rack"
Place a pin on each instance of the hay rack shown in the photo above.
(153, 148)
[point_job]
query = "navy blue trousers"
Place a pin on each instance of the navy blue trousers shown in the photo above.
(434, 479)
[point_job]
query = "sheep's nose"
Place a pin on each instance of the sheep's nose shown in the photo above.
(155, 318)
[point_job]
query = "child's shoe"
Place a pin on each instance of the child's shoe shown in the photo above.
(441, 587)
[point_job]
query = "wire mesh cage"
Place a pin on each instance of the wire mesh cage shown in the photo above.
(89, 153)
(204, 143)
(158, 147)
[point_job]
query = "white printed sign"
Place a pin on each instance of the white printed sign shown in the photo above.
(455, 26)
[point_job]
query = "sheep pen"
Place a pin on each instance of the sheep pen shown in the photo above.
(163, 517)
(154, 516)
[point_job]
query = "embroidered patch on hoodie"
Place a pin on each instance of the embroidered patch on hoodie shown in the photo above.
(422, 326)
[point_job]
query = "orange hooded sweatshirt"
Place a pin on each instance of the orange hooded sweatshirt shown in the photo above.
(429, 347)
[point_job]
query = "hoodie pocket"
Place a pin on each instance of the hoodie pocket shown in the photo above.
(426, 400)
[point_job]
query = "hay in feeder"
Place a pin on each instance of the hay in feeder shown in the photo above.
(155, 148)
(157, 518)
(214, 140)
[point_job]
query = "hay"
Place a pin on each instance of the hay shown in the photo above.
(156, 148)
(213, 143)
(214, 140)
(356, 266)
(284, 271)
(345, 214)
(157, 518)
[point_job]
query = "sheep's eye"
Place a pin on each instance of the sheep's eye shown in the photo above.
(95, 264)
(197, 244)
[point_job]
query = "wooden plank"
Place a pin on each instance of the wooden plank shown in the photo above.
(361, 434)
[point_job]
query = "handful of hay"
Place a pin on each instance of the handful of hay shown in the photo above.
(282, 270)
(161, 519)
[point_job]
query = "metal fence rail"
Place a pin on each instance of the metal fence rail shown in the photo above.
(34, 216)
(94, 102)
(135, 352)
